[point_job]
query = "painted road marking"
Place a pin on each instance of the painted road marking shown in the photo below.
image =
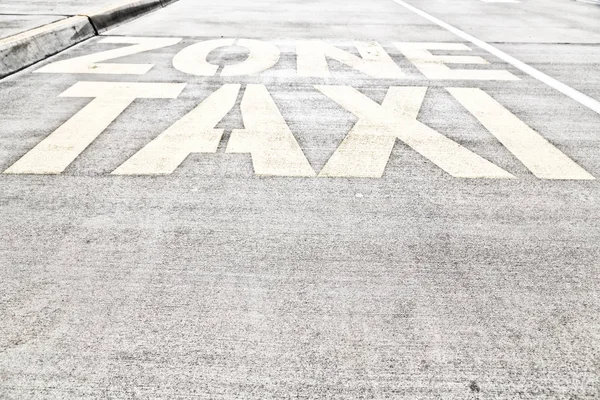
(263, 55)
(54, 154)
(434, 67)
(311, 57)
(367, 148)
(364, 152)
(579, 97)
(194, 133)
(499, 1)
(90, 64)
(192, 59)
(543, 159)
(267, 137)
(374, 61)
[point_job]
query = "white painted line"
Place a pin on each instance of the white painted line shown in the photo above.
(543, 159)
(590, 1)
(54, 154)
(263, 55)
(90, 63)
(434, 67)
(194, 133)
(579, 97)
(374, 61)
(193, 59)
(366, 149)
(267, 137)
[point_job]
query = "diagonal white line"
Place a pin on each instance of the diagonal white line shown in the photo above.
(579, 97)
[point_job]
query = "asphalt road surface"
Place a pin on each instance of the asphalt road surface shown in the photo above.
(307, 199)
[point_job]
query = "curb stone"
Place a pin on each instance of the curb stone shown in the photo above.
(26, 48)
(107, 18)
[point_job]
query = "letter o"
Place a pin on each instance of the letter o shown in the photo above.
(192, 59)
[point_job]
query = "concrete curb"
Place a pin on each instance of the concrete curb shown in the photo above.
(109, 17)
(26, 48)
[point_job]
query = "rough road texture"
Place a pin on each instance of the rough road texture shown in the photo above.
(213, 282)
(17, 16)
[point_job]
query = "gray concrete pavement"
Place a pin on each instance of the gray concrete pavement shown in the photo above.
(45, 7)
(18, 16)
(537, 32)
(215, 282)
(533, 21)
(11, 24)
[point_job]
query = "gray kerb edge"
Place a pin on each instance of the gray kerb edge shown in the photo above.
(26, 48)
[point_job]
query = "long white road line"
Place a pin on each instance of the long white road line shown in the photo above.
(529, 70)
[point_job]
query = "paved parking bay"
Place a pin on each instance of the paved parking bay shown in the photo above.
(292, 199)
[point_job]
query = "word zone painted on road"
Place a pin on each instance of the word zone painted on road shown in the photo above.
(311, 58)
(273, 148)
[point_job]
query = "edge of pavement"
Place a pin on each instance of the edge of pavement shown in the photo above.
(26, 48)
